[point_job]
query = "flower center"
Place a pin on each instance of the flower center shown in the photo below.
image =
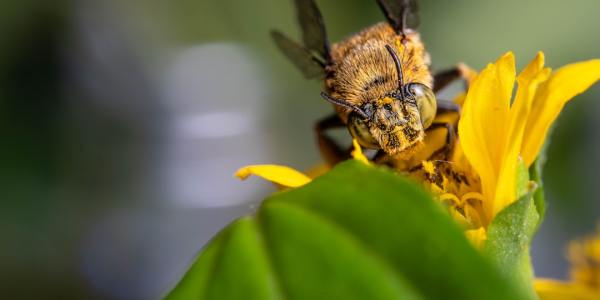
(457, 189)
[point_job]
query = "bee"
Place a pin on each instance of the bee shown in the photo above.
(378, 80)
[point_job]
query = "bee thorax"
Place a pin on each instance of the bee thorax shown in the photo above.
(363, 70)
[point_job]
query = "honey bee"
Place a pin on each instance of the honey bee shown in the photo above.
(378, 80)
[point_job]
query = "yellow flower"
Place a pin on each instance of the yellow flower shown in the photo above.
(496, 132)
(282, 175)
(287, 177)
(584, 255)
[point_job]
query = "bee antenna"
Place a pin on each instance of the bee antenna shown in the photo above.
(345, 104)
(397, 63)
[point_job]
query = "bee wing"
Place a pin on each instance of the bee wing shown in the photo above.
(310, 66)
(401, 14)
(314, 35)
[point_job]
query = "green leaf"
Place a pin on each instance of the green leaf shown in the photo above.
(358, 232)
(535, 172)
(316, 259)
(233, 266)
(510, 234)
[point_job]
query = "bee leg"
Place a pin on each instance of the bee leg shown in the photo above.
(444, 78)
(330, 150)
(450, 140)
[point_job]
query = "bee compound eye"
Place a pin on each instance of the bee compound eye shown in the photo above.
(359, 130)
(425, 100)
(416, 90)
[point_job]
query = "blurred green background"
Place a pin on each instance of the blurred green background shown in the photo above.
(122, 122)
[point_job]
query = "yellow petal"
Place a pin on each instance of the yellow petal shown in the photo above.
(357, 152)
(548, 289)
(534, 67)
(281, 175)
(482, 127)
(506, 76)
(528, 81)
(562, 86)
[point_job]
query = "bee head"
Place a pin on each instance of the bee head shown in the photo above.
(395, 122)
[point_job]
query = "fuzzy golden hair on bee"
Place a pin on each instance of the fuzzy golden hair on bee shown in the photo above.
(378, 80)
(362, 70)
